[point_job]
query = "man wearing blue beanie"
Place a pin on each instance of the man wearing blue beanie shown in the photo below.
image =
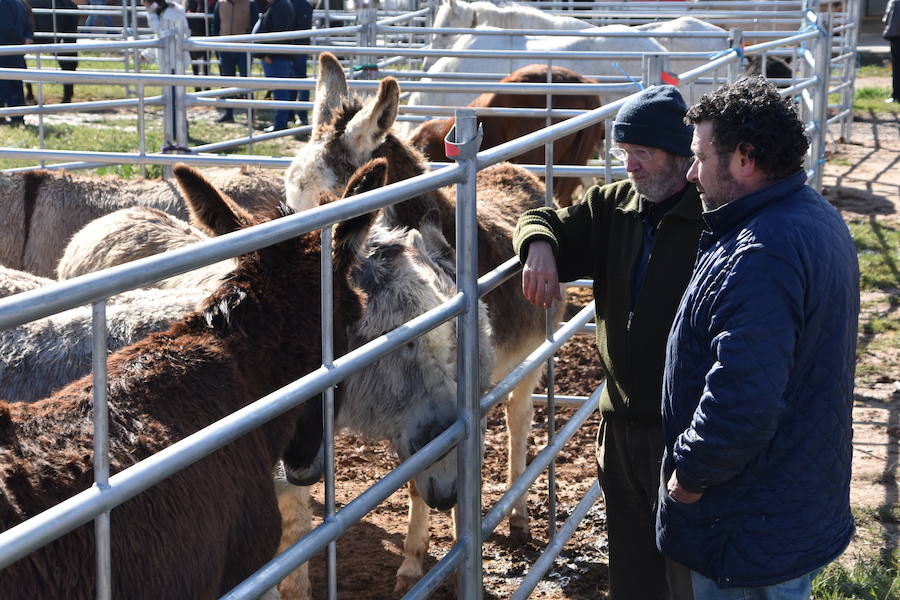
(637, 239)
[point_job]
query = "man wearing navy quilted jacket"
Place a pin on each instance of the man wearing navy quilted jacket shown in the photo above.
(758, 384)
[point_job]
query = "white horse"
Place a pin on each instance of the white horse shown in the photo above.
(591, 67)
(457, 14)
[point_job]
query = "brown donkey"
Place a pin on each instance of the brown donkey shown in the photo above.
(204, 529)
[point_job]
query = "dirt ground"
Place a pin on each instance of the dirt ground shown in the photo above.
(862, 180)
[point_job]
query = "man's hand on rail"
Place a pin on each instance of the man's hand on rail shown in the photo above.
(540, 281)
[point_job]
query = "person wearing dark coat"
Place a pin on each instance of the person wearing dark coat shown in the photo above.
(56, 24)
(758, 385)
(15, 29)
(278, 17)
(200, 27)
(637, 239)
(892, 34)
(233, 17)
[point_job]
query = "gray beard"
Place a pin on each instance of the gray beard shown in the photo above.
(662, 186)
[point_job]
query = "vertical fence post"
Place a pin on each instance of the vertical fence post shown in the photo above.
(178, 54)
(735, 68)
(550, 328)
(164, 57)
(328, 404)
(652, 66)
(852, 11)
(101, 447)
(469, 452)
(823, 74)
(366, 18)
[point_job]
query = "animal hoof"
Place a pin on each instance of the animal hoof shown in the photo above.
(404, 584)
(519, 535)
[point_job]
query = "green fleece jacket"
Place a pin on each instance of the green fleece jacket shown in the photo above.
(602, 238)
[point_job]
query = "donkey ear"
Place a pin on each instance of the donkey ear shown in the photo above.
(331, 88)
(370, 176)
(366, 130)
(350, 236)
(211, 210)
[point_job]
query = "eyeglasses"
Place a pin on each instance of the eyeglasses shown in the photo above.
(639, 154)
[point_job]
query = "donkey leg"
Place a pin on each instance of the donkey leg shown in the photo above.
(296, 517)
(519, 414)
(416, 544)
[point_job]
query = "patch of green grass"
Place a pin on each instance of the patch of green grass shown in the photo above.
(878, 325)
(873, 99)
(873, 71)
(114, 132)
(878, 247)
(867, 579)
(867, 515)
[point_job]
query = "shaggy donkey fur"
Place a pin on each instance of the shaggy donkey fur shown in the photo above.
(42, 209)
(13, 281)
(200, 532)
(40, 357)
(132, 233)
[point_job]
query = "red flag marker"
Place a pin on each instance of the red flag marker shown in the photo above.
(669, 78)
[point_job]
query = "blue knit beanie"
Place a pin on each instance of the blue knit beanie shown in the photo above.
(655, 118)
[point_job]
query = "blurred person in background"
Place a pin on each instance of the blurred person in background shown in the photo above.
(15, 29)
(55, 24)
(303, 20)
(278, 17)
(200, 27)
(233, 17)
(92, 19)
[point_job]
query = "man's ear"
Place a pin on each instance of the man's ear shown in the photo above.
(743, 163)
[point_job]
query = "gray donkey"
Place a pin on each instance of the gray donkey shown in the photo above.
(347, 132)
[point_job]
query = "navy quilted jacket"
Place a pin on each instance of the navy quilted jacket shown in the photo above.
(758, 389)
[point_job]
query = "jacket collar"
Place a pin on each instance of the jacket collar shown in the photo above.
(737, 211)
(688, 207)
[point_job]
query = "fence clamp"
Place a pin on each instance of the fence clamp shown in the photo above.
(466, 150)
(175, 149)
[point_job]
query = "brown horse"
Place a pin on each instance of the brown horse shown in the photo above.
(204, 529)
(574, 149)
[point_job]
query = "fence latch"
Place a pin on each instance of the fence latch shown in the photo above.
(465, 150)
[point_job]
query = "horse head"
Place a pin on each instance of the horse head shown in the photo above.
(451, 14)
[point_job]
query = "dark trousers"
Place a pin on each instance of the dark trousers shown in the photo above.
(298, 71)
(629, 461)
(280, 67)
(895, 68)
(12, 93)
(229, 64)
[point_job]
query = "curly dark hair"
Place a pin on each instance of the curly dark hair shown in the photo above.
(751, 111)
